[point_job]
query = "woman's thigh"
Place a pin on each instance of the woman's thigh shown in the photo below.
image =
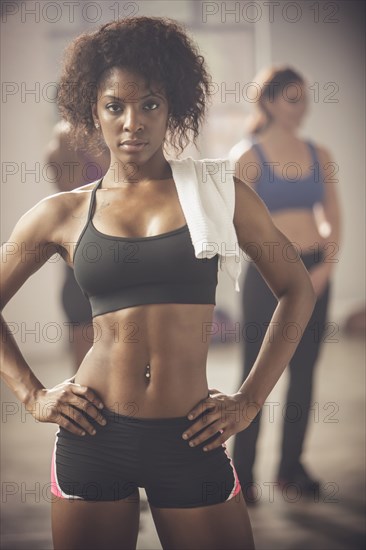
(95, 525)
(94, 483)
(224, 525)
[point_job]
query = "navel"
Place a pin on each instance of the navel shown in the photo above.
(147, 372)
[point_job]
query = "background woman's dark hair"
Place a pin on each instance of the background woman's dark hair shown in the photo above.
(272, 82)
(157, 49)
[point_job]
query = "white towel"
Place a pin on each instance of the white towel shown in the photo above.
(207, 196)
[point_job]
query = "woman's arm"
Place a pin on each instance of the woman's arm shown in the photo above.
(35, 231)
(328, 219)
(16, 267)
(289, 281)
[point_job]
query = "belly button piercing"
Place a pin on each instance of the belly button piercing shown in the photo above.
(147, 374)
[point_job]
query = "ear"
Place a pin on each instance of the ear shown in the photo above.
(93, 107)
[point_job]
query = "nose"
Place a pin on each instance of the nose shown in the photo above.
(132, 119)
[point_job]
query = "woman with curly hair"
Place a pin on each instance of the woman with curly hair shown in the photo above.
(138, 412)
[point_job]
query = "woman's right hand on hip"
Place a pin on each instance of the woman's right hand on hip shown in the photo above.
(65, 402)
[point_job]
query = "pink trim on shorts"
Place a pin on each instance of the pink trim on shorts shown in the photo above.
(237, 486)
(55, 486)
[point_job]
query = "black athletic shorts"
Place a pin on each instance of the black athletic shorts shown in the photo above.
(130, 452)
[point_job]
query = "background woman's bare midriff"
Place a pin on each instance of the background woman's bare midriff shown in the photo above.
(300, 228)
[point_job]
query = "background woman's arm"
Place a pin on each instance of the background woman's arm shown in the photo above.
(328, 220)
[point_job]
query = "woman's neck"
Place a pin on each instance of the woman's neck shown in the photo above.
(278, 134)
(121, 174)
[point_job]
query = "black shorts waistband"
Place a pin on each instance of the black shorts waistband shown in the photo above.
(118, 417)
(132, 418)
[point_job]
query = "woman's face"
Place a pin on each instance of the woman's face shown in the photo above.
(133, 118)
(289, 107)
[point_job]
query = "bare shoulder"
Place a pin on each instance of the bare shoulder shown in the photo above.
(41, 230)
(248, 155)
(324, 154)
(58, 207)
(67, 201)
(247, 167)
(43, 223)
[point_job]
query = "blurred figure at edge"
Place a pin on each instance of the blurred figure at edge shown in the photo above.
(296, 179)
(72, 168)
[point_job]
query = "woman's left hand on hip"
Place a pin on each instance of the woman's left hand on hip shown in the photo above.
(227, 414)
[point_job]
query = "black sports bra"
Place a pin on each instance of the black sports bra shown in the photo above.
(120, 272)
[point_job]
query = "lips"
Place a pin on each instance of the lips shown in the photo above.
(133, 142)
(133, 145)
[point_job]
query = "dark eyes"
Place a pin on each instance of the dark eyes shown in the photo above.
(150, 106)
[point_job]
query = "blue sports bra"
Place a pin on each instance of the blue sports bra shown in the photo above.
(283, 193)
(120, 272)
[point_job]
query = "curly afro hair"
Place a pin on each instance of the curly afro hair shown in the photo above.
(156, 48)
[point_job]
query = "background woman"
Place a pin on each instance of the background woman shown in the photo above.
(73, 167)
(296, 180)
(136, 83)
